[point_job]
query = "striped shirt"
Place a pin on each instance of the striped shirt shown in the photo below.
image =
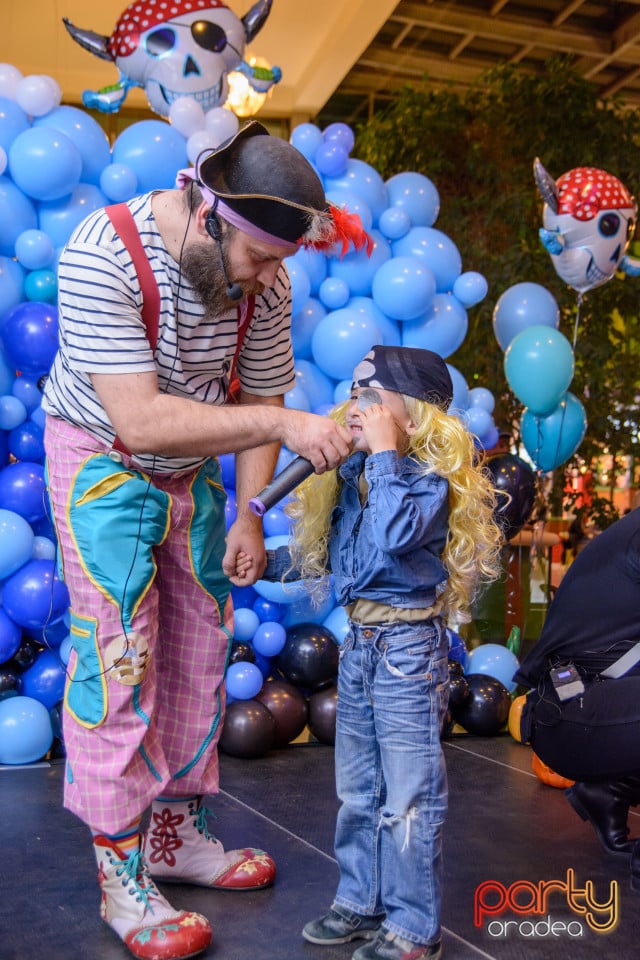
(101, 331)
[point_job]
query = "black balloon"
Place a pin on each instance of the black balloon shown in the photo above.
(288, 707)
(447, 725)
(309, 657)
(486, 710)
(322, 714)
(10, 682)
(242, 652)
(459, 690)
(455, 668)
(515, 484)
(249, 729)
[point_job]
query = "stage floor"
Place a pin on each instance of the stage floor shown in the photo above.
(504, 825)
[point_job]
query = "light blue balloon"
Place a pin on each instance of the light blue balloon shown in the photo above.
(315, 265)
(306, 138)
(297, 399)
(342, 391)
(353, 202)
(331, 158)
(416, 195)
(493, 660)
(460, 390)
(341, 340)
(300, 285)
(481, 397)
(87, 135)
(26, 733)
(307, 610)
(303, 324)
(442, 328)
(394, 223)
(434, 248)
(550, 441)
(12, 412)
(521, 306)
(244, 680)
(317, 385)
(539, 366)
(341, 133)
(275, 522)
(13, 122)
(479, 422)
(154, 150)
(59, 218)
(389, 329)
(404, 288)
(245, 624)
(17, 214)
(269, 638)
(338, 623)
(16, 542)
(358, 268)
(334, 293)
(34, 249)
(364, 181)
(470, 288)
(12, 276)
(118, 182)
(45, 164)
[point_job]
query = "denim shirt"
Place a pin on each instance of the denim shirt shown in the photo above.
(388, 549)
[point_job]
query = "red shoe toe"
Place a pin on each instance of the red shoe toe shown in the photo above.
(256, 870)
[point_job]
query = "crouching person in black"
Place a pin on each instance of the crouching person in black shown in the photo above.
(582, 714)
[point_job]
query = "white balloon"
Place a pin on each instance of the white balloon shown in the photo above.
(37, 95)
(197, 142)
(10, 76)
(222, 124)
(186, 115)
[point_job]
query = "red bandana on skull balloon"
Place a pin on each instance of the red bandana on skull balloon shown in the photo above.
(174, 48)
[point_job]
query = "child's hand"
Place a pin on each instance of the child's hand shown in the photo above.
(244, 563)
(380, 429)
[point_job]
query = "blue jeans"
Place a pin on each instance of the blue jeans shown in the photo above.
(390, 774)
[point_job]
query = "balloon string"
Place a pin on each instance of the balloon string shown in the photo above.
(577, 322)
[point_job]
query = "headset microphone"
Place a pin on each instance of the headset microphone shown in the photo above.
(234, 290)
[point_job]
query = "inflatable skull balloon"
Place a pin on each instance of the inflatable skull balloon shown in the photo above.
(176, 48)
(589, 217)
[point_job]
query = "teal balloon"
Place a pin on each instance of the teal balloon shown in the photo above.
(539, 365)
(41, 285)
(550, 441)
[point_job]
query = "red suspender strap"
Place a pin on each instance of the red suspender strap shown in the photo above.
(121, 218)
(245, 315)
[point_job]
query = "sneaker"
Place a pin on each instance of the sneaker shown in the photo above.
(180, 849)
(340, 926)
(391, 946)
(135, 909)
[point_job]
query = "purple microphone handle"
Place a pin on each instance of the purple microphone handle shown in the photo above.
(281, 486)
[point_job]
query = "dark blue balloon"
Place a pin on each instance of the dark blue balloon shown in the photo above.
(34, 596)
(30, 336)
(44, 680)
(26, 442)
(268, 610)
(10, 637)
(23, 489)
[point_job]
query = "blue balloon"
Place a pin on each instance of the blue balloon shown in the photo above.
(306, 138)
(26, 389)
(300, 285)
(12, 412)
(30, 337)
(275, 523)
(269, 638)
(314, 263)
(470, 288)
(331, 158)
(460, 389)
(436, 250)
(59, 218)
(34, 249)
(341, 340)
(550, 441)
(317, 386)
(86, 134)
(358, 269)
(245, 624)
(442, 328)
(26, 733)
(17, 214)
(243, 596)
(45, 164)
(118, 182)
(268, 610)
(12, 276)
(26, 442)
(34, 596)
(338, 623)
(244, 680)
(333, 293)
(389, 329)
(154, 150)
(23, 489)
(16, 542)
(10, 637)
(522, 306)
(302, 326)
(404, 288)
(340, 133)
(13, 122)
(493, 660)
(44, 680)
(539, 366)
(416, 195)
(364, 181)
(394, 223)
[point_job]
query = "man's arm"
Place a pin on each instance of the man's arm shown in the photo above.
(148, 421)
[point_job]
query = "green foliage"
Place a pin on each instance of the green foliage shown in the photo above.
(478, 149)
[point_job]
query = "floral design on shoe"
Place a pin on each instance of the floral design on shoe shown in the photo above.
(180, 849)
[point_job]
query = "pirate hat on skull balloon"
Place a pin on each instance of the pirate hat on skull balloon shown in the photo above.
(263, 185)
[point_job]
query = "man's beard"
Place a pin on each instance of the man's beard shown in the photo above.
(202, 268)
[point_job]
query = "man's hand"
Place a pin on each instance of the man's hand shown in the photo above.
(321, 440)
(245, 559)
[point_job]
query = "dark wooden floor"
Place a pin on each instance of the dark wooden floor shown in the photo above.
(504, 825)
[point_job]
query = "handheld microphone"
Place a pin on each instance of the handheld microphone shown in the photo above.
(234, 290)
(281, 486)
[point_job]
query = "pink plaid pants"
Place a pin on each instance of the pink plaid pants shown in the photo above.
(141, 558)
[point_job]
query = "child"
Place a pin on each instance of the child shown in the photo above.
(406, 527)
